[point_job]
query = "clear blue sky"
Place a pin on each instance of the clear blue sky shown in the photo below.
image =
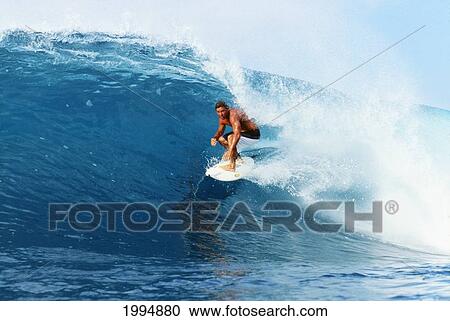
(427, 53)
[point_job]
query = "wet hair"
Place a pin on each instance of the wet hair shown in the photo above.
(221, 103)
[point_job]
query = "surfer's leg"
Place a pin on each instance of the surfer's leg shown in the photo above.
(238, 156)
(222, 141)
(228, 138)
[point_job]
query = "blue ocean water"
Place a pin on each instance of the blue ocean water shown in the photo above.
(75, 128)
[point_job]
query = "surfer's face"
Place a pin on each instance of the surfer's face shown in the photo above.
(222, 112)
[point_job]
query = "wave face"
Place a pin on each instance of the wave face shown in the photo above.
(91, 117)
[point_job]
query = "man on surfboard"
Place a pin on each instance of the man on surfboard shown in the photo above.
(245, 132)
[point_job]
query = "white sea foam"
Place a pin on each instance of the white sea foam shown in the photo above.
(367, 149)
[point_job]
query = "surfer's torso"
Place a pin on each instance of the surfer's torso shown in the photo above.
(236, 114)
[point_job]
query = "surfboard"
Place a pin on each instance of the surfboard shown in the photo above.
(243, 168)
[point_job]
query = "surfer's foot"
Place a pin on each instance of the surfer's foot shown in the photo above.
(228, 167)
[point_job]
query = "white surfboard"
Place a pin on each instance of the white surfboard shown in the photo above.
(243, 168)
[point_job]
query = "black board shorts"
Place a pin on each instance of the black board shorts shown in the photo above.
(252, 134)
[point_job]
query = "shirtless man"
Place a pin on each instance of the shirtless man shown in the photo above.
(245, 132)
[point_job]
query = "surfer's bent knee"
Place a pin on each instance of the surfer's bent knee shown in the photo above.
(222, 141)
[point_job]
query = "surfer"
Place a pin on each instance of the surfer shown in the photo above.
(245, 132)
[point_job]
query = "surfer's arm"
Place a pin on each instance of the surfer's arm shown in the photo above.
(219, 131)
(236, 124)
(218, 134)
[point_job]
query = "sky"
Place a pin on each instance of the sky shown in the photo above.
(316, 41)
